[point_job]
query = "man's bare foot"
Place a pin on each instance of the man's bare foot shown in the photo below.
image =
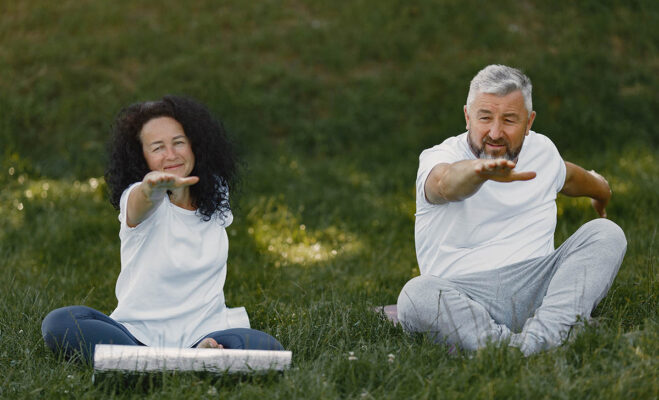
(209, 343)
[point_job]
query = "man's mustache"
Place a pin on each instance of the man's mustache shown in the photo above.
(489, 140)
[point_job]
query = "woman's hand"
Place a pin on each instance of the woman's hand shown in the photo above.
(154, 187)
(156, 184)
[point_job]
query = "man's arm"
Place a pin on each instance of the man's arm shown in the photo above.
(579, 182)
(460, 180)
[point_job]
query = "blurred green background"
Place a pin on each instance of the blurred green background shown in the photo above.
(330, 104)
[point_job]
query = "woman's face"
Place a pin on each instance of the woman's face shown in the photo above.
(166, 148)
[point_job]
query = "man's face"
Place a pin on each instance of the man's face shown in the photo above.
(497, 125)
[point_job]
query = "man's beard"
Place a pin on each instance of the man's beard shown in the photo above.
(479, 152)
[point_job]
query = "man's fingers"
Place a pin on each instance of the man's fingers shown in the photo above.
(502, 170)
(495, 165)
(523, 176)
(599, 207)
(507, 175)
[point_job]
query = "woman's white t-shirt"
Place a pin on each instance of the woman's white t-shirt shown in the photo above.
(173, 269)
(502, 223)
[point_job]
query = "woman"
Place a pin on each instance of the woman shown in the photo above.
(170, 169)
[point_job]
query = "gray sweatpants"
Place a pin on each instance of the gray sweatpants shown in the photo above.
(540, 298)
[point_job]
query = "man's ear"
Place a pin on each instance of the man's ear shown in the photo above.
(467, 117)
(530, 122)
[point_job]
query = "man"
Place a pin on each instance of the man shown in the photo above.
(484, 231)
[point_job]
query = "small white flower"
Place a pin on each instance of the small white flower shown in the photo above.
(212, 391)
(391, 358)
(351, 356)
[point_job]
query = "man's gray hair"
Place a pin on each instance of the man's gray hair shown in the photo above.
(501, 80)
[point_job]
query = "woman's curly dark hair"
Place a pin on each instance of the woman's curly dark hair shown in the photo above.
(215, 161)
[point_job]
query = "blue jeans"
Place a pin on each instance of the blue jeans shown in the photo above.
(75, 330)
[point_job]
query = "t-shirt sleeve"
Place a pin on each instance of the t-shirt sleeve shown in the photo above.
(560, 168)
(123, 203)
(428, 159)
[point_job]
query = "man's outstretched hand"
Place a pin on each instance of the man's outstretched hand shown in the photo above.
(501, 170)
(460, 180)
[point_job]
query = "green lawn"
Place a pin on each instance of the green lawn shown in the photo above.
(331, 104)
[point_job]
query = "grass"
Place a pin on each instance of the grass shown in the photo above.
(331, 105)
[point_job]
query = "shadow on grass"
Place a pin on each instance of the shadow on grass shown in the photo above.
(198, 383)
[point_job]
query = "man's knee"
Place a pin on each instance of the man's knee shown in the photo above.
(607, 230)
(419, 303)
(409, 297)
(608, 236)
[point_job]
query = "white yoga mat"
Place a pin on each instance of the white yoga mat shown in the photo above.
(143, 359)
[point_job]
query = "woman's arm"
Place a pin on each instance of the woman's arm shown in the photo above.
(579, 182)
(143, 199)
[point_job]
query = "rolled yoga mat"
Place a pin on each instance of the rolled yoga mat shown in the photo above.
(109, 357)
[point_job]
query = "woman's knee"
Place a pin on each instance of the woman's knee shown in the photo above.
(247, 339)
(53, 323)
(61, 325)
(63, 318)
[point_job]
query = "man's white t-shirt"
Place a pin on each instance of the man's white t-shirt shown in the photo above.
(502, 223)
(173, 268)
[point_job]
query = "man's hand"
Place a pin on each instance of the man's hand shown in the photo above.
(600, 204)
(460, 180)
(579, 182)
(501, 170)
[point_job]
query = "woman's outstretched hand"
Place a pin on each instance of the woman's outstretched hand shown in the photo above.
(156, 183)
(154, 187)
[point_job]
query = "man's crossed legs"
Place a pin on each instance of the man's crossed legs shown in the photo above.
(541, 298)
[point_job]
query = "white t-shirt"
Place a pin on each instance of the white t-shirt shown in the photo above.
(502, 223)
(173, 268)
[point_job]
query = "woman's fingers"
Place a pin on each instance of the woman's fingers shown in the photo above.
(188, 180)
(169, 181)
